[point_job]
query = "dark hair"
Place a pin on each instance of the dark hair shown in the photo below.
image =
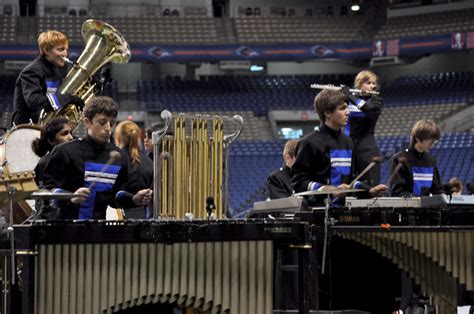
(425, 130)
(470, 188)
(42, 145)
(101, 105)
(327, 101)
(154, 127)
(159, 125)
(148, 132)
(456, 184)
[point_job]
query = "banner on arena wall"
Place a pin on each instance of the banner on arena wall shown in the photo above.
(290, 52)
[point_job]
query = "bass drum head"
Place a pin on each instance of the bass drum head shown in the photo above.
(18, 152)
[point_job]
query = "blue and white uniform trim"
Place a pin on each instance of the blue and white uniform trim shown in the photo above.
(360, 103)
(93, 176)
(354, 111)
(422, 178)
(104, 177)
(56, 203)
(51, 93)
(340, 165)
(314, 186)
(120, 194)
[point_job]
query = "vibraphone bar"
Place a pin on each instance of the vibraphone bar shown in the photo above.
(97, 267)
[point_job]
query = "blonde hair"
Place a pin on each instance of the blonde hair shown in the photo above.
(126, 134)
(290, 148)
(364, 76)
(48, 40)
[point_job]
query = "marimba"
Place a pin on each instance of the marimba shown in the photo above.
(102, 267)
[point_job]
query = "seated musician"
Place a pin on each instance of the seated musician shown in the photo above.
(54, 132)
(279, 181)
(147, 141)
(325, 156)
(456, 186)
(419, 175)
(35, 87)
(95, 169)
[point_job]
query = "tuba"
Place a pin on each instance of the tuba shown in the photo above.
(103, 44)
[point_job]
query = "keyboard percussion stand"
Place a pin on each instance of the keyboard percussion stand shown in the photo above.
(13, 187)
(328, 221)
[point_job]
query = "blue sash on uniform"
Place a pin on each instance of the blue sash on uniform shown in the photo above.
(104, 177)
(340, 165)
(353, 113)
(422, 179)
(51, 93)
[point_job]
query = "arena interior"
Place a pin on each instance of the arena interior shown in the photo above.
(258, 58)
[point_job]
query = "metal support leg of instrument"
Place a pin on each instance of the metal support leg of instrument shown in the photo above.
(304, 266)
(8, 259)
(304, 285)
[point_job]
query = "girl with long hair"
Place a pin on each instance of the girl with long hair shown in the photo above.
(127, 137)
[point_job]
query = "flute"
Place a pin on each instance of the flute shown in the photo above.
(351, 90)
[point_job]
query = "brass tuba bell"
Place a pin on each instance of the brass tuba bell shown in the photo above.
(103, 44)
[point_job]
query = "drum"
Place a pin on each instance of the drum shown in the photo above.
(16, 151)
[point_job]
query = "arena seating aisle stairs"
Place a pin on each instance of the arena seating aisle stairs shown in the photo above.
(26, 30)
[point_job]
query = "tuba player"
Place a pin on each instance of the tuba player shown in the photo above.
(35, 87)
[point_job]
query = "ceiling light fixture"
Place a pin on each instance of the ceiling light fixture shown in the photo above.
(355, 6)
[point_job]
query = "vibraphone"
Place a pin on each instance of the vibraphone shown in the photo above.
(434, 245)
(102, 267)
(431, 238)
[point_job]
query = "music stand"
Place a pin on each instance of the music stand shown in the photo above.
(13, 188)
